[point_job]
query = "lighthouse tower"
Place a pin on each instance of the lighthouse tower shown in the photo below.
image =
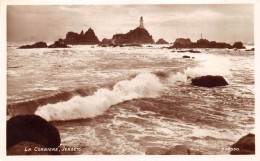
(141, 22)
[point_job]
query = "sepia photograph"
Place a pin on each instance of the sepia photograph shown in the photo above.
(130, 79)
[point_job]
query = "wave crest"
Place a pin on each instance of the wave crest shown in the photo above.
(144, 85)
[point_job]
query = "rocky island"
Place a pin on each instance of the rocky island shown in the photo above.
(204, 43)
(162, 41)
(87, 38)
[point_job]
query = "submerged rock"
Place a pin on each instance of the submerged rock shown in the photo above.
(40, 44)
(209, 81)
(185, 56)
(138, 45)
(191, 51)
(245, 145)
(182, 150)
(32, 128)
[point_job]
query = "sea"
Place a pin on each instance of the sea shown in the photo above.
(134, 100)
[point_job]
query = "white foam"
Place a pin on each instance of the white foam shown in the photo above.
(145, 85)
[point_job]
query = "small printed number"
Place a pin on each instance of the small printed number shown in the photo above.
(230, 149)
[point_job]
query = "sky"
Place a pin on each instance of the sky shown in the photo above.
(221, 23)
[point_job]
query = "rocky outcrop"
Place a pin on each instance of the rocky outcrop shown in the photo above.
(181, 150)
(106, 41)
(182, 41)
(201, 43)
(136, 36)
(162, 41)
(40, 44)
(89, 38)
(238, 45)
(58, 44)
(209, 81)
(32, 128)
(245, 145)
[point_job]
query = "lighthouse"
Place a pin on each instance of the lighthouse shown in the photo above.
(141, 22)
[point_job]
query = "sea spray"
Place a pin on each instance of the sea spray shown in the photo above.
(144, 85)
(209, 65)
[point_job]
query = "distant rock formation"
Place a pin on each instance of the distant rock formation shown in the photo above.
(204, 43)
(40, 44)
(56, 44)
(89, 38)
(106, 41)
(183, 41)
(209, 81)
(245, 145)
(238, 45)
(136, 36)
(31, 128)
(252, 49)
(162, 41)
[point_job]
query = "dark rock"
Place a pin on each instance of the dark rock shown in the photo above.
(238, 45)
(89, 38)
(246, 145)
(31, 128)
(136, 36)
(185, 56)
(40, 44)
(106, 41)
(182, 41)
(162, 41)
(201, 43)
(58, 44)
(182, 150)
(194, 51)
(149, 46)
(31, 148)
(209, 81)
(191, 51)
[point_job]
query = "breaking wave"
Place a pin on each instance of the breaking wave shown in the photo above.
(144, 85)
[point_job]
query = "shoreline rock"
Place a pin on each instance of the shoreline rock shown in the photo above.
(245, 145)
(31, 128)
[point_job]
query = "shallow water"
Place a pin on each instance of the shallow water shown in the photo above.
(134, 100)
